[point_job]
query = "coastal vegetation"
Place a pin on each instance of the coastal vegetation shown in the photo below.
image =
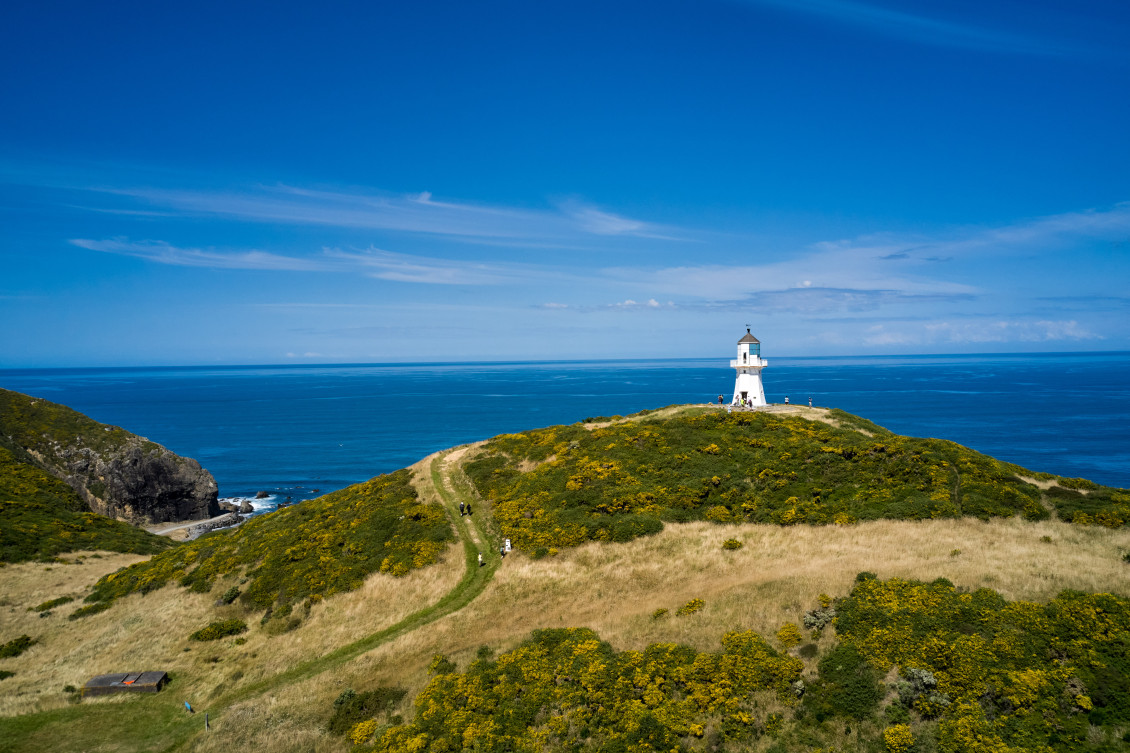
(16, 646)
(307, 552)
(44, 517)
(564, 485)
(48, 427)
(964, 671)
(220, 629)
(111, 471)
(648, 626)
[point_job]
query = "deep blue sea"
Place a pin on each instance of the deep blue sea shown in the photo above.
(291, 430)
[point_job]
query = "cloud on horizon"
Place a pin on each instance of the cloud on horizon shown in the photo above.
(977, 331)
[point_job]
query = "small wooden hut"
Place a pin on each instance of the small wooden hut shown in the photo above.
(131, 682)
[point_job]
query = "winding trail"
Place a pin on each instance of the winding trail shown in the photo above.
(450, 488)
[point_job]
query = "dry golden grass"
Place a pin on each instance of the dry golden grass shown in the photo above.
(776, 577)
(151, 632)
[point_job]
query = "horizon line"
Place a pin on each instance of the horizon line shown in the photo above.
(527, 362)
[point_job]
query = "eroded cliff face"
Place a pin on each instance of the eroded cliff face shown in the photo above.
(119, 474)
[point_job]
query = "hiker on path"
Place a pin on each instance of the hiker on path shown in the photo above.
(461, 509)
(480, 559)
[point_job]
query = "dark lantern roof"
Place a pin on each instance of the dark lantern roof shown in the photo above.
(748, 338)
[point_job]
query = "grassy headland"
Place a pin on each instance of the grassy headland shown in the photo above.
(43, 517)
(274, 687)
(564, 485)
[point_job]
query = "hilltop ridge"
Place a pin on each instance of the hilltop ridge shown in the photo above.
(118, 474)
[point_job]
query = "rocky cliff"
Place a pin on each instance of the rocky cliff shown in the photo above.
(119, 474)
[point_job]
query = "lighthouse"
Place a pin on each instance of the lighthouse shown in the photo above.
(749, 365)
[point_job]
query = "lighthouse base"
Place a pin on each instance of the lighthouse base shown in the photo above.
(748, 389)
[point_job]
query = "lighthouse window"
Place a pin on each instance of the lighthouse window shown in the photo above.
(755, 348)
(745, 356)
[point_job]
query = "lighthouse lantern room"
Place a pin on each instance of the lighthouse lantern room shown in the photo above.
(748, 389)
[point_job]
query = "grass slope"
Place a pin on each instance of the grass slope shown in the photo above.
(43, 517)
(44, 426)
(564, 485)
(309, 551)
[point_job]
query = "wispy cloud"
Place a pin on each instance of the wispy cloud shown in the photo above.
(864, 273)
(386, 265)
(421, 213)
(165, 253)
(920, 28)
(372, 262)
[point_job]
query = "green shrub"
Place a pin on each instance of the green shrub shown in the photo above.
(52, 604)
(662, 611)
(16, 646)
(5, 674)
(230, 595)
(89, 609)
(221, 629)
(731, 544)
(847, 685)
(351, 708)
(441, 665)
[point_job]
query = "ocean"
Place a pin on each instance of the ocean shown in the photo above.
(299, 431)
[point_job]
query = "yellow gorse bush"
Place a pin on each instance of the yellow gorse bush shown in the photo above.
(1034, 667)
(566, 684)
(312, 550)
(565, 485)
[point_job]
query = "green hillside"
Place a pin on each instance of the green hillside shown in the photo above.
(968, 672)
(116, 473)
(565, 485)
(46, 426)
(43, 517)
(309, 551)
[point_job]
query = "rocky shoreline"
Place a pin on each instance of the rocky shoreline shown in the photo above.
(223, 521)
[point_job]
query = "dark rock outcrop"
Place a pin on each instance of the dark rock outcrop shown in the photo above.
(119, 474)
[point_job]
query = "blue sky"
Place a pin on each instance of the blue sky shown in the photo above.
(213, 183)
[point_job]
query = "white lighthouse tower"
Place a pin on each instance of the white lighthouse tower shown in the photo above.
(749, 365)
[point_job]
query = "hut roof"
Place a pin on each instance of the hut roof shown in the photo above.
(143, 682)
